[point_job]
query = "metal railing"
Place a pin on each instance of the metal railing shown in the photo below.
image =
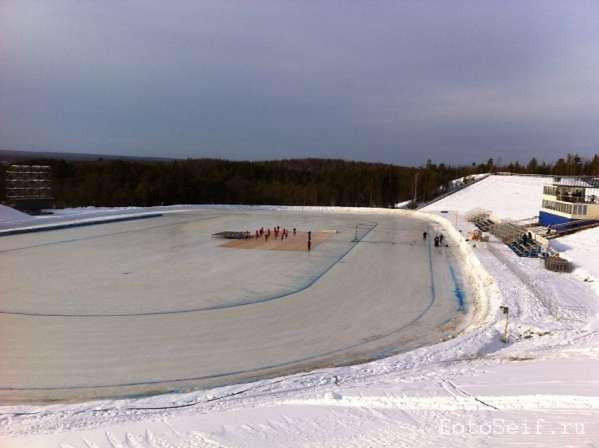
(576, 181)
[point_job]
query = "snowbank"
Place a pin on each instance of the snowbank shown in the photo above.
(8, 214)
(488, 296)
(403, 204)
(467, 179)
(582, 248)
(83, 211)
(18, 220)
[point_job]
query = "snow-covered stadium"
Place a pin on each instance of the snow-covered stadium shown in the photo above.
(133, 333)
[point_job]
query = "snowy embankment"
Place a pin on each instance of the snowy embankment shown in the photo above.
(13, 221)
(467, 179)
(541, 388)
(583, 249)
(10, 216)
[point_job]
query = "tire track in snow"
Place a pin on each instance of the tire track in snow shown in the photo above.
(461, 401)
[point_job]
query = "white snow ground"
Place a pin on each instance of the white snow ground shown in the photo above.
(540, 389)
(583, 249)
(515, 197)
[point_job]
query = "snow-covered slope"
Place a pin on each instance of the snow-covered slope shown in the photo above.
(8, 215)
(515, 197)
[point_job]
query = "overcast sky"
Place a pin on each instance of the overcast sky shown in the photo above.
(394, 81)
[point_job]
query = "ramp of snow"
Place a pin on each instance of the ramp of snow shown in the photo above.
(515, 197)
(8, 214)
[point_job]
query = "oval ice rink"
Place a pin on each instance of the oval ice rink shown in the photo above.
(159, 305)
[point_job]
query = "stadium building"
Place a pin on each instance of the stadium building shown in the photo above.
(569, 199)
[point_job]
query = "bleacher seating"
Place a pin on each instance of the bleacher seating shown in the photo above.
(516, 238)
(527, 249)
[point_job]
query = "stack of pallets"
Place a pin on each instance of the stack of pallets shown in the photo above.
(557, 264)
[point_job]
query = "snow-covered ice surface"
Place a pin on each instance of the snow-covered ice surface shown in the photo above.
(163, 293)
(540, 389)
(131, 267)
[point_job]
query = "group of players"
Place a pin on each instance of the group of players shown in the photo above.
(276, 231)
(282, 233)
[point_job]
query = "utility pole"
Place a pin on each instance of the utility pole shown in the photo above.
(415, 200)
(506, 311)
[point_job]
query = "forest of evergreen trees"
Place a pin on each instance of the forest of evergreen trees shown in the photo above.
(290, 182)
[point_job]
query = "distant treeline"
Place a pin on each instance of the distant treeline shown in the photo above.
(289, 182)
